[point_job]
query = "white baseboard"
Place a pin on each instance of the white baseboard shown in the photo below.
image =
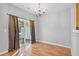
(53, 43)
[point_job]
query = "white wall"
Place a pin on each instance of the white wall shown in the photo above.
(3, 29)
(10, 9)
(75, 33)
(56, 27)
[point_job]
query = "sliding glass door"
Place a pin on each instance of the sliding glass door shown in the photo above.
(24, 32)
(26, 35)
(21, 30)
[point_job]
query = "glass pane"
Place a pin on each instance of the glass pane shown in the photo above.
(25, 36)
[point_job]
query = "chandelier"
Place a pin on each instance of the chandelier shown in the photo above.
(40, 12)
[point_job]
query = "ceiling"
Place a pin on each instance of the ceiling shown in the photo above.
(44, 7)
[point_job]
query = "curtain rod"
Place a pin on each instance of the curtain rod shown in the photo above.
(19, 17)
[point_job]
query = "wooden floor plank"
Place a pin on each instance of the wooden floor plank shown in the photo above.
(14, 53)
(43, 49)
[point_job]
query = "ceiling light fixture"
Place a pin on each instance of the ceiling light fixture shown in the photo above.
(39, 11)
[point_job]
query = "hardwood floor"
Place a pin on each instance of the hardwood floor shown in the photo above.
(42, 49)
(14, 53)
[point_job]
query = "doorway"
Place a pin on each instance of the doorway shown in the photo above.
(24, 32)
